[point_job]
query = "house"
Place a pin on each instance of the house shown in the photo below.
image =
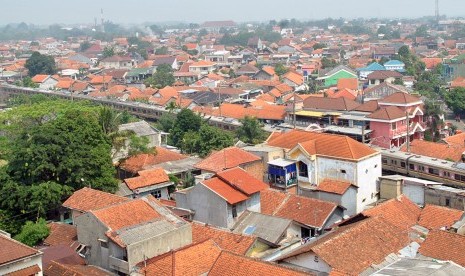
(229, 158)
(312, 158)
(18, 258)
(435, 150)
(86, 199)
(435, 217)
(46, 82)
(382, 90)
(218, 57)
(395, 65)
(372, 67)
(392, 186)
(293, 79)
(331, 77)
(142, 129)
(168, 60)
(120, 236)
(118, 62)
(247, 70)
(390, 123)
(384, 52)
(220, 200)
(311, 216)
(445, 246)
(152, 181)
(381, 76)
(202, 67)
(266, 73)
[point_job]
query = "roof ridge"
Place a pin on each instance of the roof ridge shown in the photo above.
(280, 206)
(349, 144)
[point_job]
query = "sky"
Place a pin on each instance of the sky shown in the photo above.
(43, 12)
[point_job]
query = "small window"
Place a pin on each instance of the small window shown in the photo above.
(366, 171)
(421, 168)
(343, 171)
(156, 194)
(234, 211)
(376, 165)
(411, 166)
(393, 126)
(384, 161)
(364, 200)
(446, 174)
(402, 164)
(433, 171)
(316, 260)
(448, 202)
(103, 243)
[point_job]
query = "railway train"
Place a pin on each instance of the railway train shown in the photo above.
(443, 171)
(139, 109)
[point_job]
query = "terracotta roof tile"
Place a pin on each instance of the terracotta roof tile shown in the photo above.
(226, 159)
(147, 178)
(324, 144)
(333, 186)
(400, 98)
(61, 233)
(126, 214)
(139, 162)
(400, 212)
(224, 190)
(59, 269)
(234, 265)
(270, 200)
(388, 114)
(443, 245)
(369, 106)
(40, 78)
(353, 248)
(31, 270)
(87, 199)
(456, 140)
(225, 239)
(436, 217)
(194, 259)
(243, 181)
(435, 150)
(340, 104)
(347, 83)
(12, 250)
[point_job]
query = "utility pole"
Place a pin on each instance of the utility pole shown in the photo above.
(293, 111)
(408, 132)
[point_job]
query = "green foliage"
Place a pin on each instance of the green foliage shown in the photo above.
(251, 131)
(162, 77)
(319, 46)
(189, 181)
(413, 65)
(40, 64)
(328, 63)
(161, 51)
(186, 121)
(166, 122)
(108, 51)
(243, 37)
(84, 46)
(421, 31)
(280, 69)
(455, 100)
(33, 233)
(26, 82)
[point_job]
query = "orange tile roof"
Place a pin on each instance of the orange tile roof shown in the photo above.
(194, 259)
(388, 114)
(235, 265)
(443, 245)
(61, 269)
(458, 82)
(298, 208)
(294, 77)
(147, 178)
(126, 214)
(436, 217)
(333, 186)
(400, 98)
(40, 78)
(87, 199)
(431, 63)
(202, 63)
(61, 233)
(224, 190)
(347, 83)
(324, 143)
(435, 150)
(243, 181)
(269, 70)
(340, 104)
(353, 248)
(226, 159)
(31, 270)
(139, 162)
(12, 250)
(400, 212)
(456, 140)
(101, 79)
(369, 106)
(270, 200)
(224, 238)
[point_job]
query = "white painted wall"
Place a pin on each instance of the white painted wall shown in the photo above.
(368, 172)
(12, 267)
(309, 260)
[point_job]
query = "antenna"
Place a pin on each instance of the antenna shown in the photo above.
(437, 11)
(101, 17)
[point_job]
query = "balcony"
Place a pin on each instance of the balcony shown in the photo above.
(118, 264)
(402, 131)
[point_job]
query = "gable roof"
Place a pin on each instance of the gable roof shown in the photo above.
(400, 212)
(381, 75)
(369, 106)
(243, 181)
(347, 148)
(374, 66)
(61, 269)
(40, 78)
(333, 186)
(147, 178)
(87, 199)
(271, 199)
(435, 150)
(225, 239)
(445, 246)
(436, 217)
(353, 248)
(12, 250)
(225, 159)
(224, 190)
(400, 98)
(139, 162)
(126, 214)
(347, 83)
(341, 104)
(61, 233)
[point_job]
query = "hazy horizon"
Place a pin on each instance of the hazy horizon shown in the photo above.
(45, 12)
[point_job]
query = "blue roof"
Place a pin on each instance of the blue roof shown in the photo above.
(373, 67)
(394, 62)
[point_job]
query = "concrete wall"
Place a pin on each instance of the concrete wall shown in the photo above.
(208, 206)
(159, 244)
(390, 188)
(367, 179)
(441, 197)
(415, 193)
(25, 263)
(309, 260)
(333, 169)
(256, 169)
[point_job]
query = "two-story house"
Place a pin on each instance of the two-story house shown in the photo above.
(220, 200)
(120, 236)
(118, 62)
(202, 67)
(153, 182)
(314, 158)
(400, 116)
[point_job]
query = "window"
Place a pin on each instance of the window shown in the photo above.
(103, 243)
(316, 259)
(304, 232)
(433, 171)
(393, 126)
(303, 169)
(421, 168)
(394, 162)
(446, 174)
(376, 165)
(447, 202)
(459, 177)
(234, 211)
(411, 166)
(403, 165)
(384, 162)
(156, 194)
(343, 171)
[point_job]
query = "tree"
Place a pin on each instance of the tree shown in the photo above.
(40, 64)
(162, 77)
(33, 233)
(84, 46)
(186, 121)
(328, 63)
(319, 46)
(421, 31)
(251, 131)
(404, 52)
(280, 69)
(161, 51)
(205, 140)
(26, 82)
(166, 122)
(108, 51)
(455, 100)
